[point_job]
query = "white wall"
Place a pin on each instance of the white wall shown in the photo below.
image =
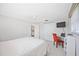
(12, 28)
(46, 29)
(75, 21)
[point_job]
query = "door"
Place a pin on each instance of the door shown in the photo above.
(35, 30)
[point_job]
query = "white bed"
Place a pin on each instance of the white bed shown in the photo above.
(23, 47)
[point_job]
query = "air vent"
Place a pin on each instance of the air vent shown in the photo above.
(46, 20)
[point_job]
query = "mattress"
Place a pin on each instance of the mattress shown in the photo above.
(23, 47)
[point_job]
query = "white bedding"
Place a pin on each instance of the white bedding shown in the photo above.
(23, 46)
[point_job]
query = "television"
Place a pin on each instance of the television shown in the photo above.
(61, 24)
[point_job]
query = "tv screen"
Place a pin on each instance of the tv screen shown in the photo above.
(61, 24)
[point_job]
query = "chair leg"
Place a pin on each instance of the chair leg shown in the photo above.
(56, 44)
(62, 44)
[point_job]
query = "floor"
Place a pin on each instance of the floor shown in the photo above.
(53, 51)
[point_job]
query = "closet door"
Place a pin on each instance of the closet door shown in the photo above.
(70, 46)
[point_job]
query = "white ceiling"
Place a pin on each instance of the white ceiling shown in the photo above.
(35, 12)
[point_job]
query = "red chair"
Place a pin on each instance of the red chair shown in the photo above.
(57, 40)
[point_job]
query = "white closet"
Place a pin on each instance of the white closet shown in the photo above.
(70, 46)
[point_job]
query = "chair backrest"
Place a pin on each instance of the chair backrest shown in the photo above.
(55, 37)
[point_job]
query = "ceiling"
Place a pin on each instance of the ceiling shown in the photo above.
(35, 12)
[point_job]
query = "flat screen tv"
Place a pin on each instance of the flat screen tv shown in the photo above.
(61, 24)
